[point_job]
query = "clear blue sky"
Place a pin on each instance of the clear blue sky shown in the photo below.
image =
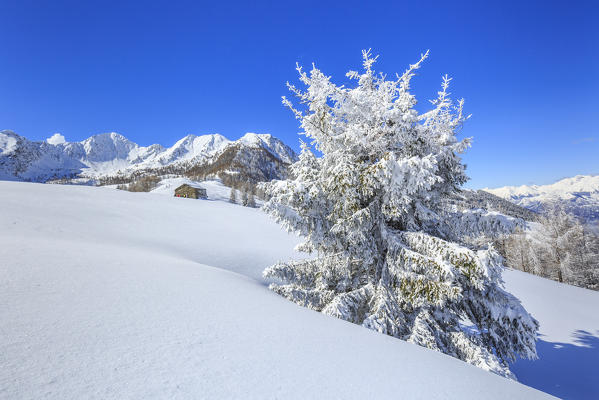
(158, 70)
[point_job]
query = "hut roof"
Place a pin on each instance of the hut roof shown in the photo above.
(193, 185)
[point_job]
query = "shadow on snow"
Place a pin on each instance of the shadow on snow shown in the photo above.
(565, 370)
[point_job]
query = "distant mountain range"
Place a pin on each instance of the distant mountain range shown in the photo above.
(578, 195)
(110, 155)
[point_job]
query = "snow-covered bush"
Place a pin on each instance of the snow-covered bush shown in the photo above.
(371, 209)
(143, 184)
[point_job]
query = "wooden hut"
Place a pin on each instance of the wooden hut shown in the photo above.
(191, 191)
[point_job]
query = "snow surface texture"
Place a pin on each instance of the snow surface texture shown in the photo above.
(112, 294)
(579, 195)
(568, 346)
(110, 153)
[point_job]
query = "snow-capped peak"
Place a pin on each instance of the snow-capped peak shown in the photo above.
(192, 146)
(107, 147)
(270, 143)
(251, 138)
(111, 153)
(578, 195)
(561, 189)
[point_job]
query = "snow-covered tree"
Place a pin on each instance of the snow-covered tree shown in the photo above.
(372, 210)
(251, 201)
(519, 252)
(566, 250)
(233, 196)
(244, 196)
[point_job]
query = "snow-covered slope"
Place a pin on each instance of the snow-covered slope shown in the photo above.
(109, 154)
(579, 195)
(112, 294)
(568, 346)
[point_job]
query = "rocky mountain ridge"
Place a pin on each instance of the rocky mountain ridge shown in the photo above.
(110, 155)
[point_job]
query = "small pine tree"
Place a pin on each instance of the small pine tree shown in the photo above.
(233, 196)
(372, 209)
(566, 249)
(251, 201)
(244, 197)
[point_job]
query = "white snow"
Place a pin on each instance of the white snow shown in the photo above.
(112, 294)
(8, 143)
(568, 346)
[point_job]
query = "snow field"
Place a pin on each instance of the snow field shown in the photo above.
(112, 294)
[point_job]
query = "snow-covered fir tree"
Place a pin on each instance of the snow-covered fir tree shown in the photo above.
(373, 213)
(251, 201)
(244, 196)
(562, 238)
(565, 251)
(519, 253)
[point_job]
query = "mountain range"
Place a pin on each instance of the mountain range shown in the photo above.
(578, 195)
(107, 155)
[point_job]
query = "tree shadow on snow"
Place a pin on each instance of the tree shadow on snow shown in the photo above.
(565, 370)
